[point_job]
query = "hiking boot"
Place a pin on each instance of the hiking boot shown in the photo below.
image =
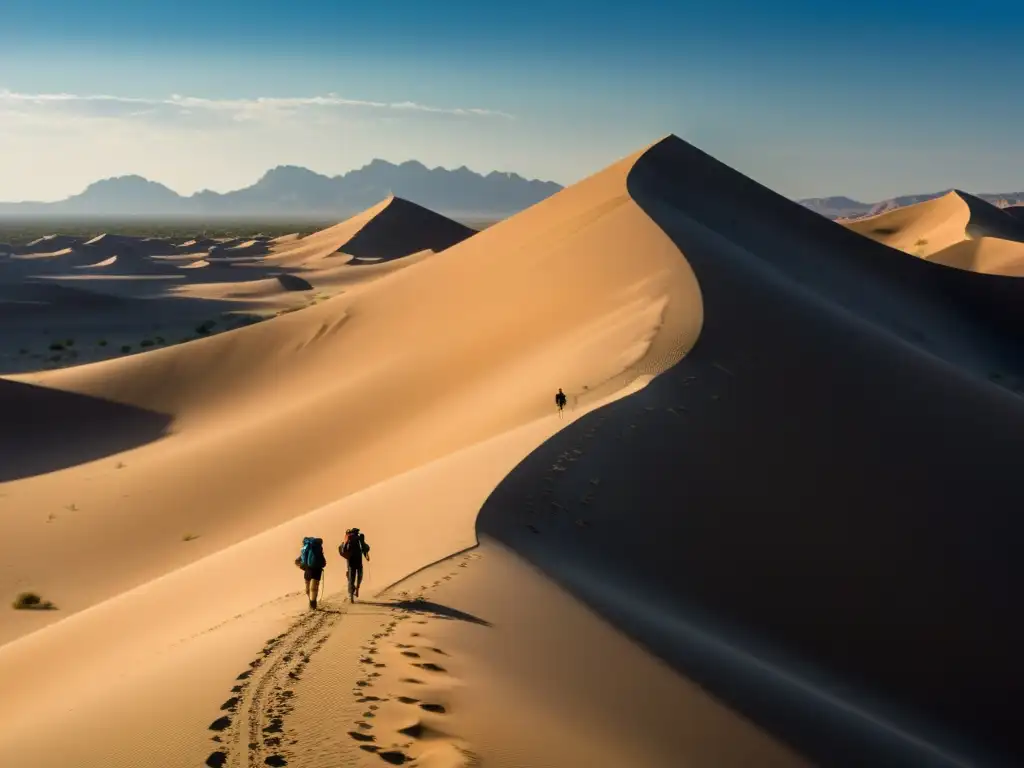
(357, 592)
(312, 604)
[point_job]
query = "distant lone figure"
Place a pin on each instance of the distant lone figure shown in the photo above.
(312, 561)
(354, 549)
(560, 401)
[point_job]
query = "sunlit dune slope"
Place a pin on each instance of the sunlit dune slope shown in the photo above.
(581, 291)
(945, 230)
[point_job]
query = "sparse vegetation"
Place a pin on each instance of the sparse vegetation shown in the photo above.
(160, 340)
(69, 342)
(120, 465)
(190, 536)
(126, 348)
(146, 343)
(29, 601)
(102, 342)
(204, 328)
(56, 346)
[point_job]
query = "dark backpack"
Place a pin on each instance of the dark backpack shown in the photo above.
(353, 546)
(312, 554)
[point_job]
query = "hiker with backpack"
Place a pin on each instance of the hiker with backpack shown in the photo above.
(312, 561)
(354, 548)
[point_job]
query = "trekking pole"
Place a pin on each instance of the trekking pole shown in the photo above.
(323, 584)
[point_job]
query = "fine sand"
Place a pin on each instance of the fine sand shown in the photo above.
(776, 525)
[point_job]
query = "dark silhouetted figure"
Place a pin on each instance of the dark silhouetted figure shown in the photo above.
(354, 549)
(560, 401)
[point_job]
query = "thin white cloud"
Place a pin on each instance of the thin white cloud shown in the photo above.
(109, 106)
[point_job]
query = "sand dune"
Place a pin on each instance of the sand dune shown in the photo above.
(99, 264)
(990, 255)
(391, 229)
(941, 230)
(753, 539)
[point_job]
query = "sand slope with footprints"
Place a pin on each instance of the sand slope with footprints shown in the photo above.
(257, 727)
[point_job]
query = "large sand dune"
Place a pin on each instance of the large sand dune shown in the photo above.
(776, 525)
(957, 230)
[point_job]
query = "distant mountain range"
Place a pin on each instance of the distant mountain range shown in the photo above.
(845, 208)
(292, 192)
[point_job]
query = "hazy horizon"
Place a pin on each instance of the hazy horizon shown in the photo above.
(811, 101)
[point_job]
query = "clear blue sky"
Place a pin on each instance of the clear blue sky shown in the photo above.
(869, 99)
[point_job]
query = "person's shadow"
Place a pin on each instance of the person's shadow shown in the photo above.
(436, 610)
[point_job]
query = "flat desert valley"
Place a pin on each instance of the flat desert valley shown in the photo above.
(778, 523)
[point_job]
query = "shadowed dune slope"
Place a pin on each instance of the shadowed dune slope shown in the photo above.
(813, 484)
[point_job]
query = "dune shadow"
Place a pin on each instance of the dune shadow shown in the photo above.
(814, 484)
(45, 430)
(293, 283)
(435, 610)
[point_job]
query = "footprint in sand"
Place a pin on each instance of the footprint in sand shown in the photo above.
(411, 680)
(431, 667)
(220, 723)
(394, 757)
(433, 708)
(275, 761)
(217, 759)
(407, 700)
(438, 650)
(411, 654)
(230, 703)
(362, 736)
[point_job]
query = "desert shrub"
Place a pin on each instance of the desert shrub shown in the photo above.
(56, 346)
(54, 359)
(160, 340)
(29, 601)
(102, 342)
(126, 348)
(190, 536)
(69, 342)
(204, 328)
(146, 343)
(22, 351)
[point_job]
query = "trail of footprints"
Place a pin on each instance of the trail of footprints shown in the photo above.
(423, 668)
(252, 731)
(545, 498)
